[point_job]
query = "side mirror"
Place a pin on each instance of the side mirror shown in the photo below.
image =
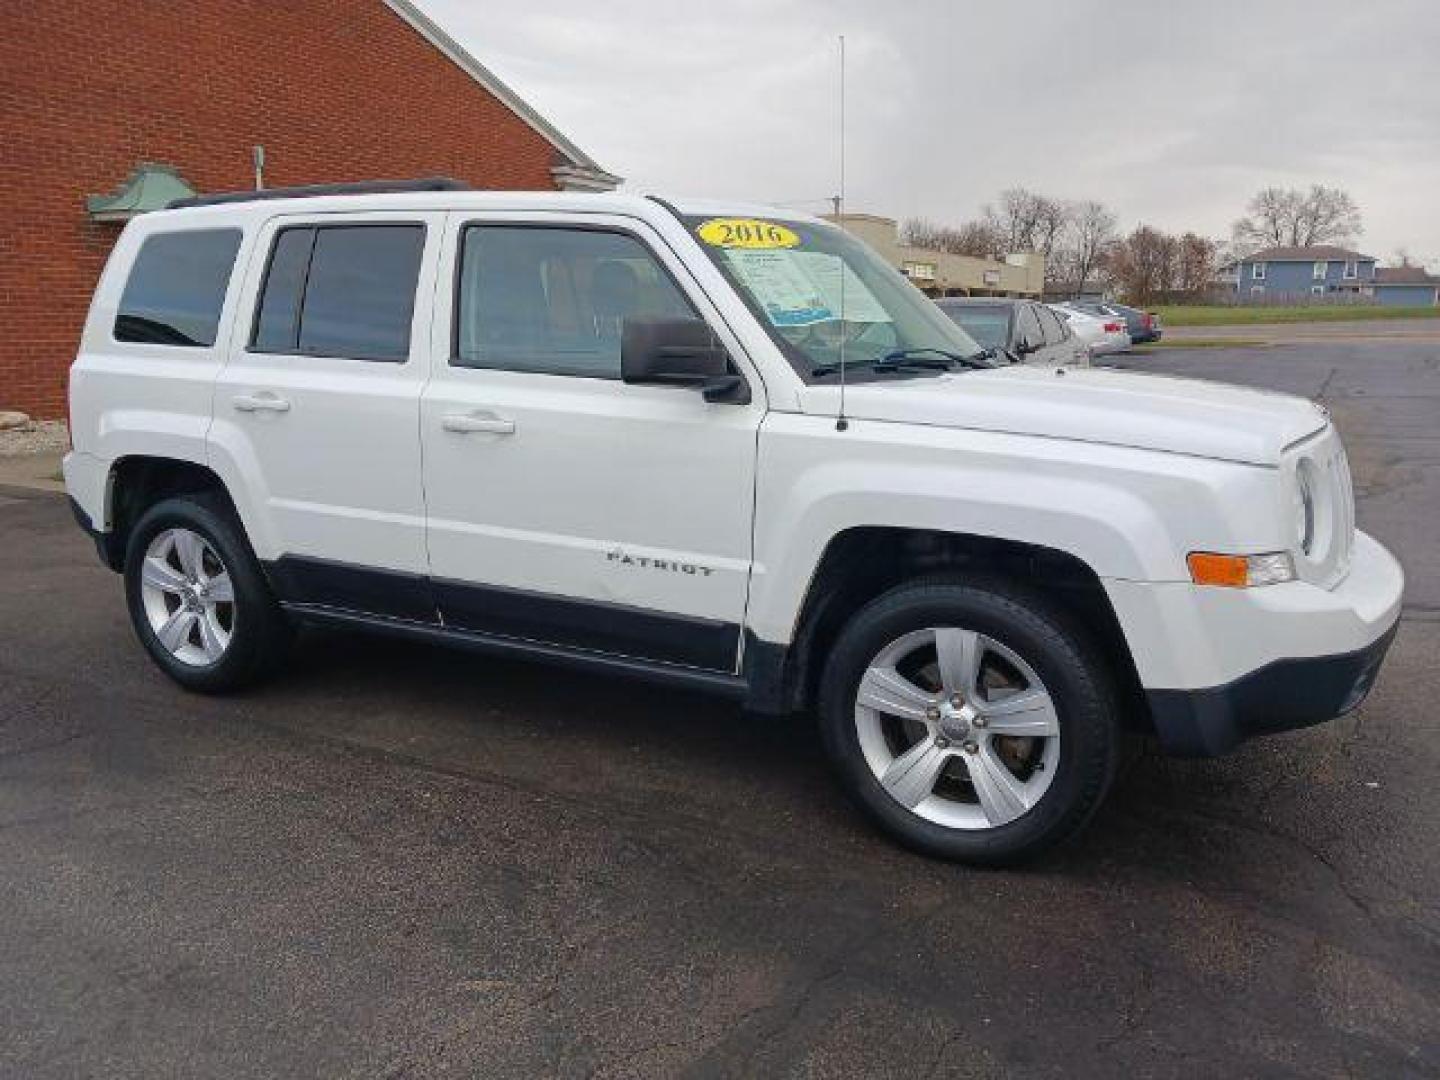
(1025, 348)
(679, 352)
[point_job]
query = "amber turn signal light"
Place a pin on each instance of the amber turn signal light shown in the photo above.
(1240, 571)
(1207, 568)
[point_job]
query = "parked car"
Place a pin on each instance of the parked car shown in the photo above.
(720, 448)
(1101, 336)
(1142, 326)
(1023, 330)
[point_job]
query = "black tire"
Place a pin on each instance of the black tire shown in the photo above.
(261, 633)
(1039, 632)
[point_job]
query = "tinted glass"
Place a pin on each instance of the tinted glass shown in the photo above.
(989, 326)
(277, 324)
(177, 288)
(360, 292)
(554, 300)
(1050, 326)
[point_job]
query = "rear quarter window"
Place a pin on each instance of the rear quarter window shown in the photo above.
(176, 288)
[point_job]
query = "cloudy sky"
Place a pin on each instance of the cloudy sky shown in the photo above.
(1173, 113)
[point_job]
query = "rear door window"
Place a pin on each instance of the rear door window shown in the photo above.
(177, 287)
(343, 290)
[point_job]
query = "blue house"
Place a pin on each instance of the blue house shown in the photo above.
(1300, 275)
(1410, 286)
(1289, 275)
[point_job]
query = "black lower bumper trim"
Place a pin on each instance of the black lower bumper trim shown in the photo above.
(1281, 696)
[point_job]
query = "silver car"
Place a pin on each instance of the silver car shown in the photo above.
(1022, 331)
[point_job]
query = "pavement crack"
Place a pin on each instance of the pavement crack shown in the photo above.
(1323, 392)
(1316, 855)
(768, 1023)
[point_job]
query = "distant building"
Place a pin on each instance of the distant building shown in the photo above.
(112, 110)
(1410, 286)
(1296, 274)
(1226, 278)
(1324, 273)
(938, 273)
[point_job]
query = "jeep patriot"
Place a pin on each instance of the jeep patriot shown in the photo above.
(716, 446)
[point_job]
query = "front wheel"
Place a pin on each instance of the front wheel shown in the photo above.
(971, 722)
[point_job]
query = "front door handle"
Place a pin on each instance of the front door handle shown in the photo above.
(464, 423)
(262, 402)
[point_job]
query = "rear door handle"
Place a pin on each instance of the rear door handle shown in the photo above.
(261, 402)
(464, 423)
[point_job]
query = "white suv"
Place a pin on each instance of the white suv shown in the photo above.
(720, 447)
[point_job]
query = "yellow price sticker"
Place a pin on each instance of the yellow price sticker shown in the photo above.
(746, 233)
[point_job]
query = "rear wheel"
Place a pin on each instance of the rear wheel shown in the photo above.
(970, 721)
(197, 598)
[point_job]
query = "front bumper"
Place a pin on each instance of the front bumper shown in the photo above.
(1281, 696)
(1220, 665)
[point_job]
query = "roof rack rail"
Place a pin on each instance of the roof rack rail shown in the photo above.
(310, 191)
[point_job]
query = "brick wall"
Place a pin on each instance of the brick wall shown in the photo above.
(333, 89)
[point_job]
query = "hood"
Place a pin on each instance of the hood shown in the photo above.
(1117, 408)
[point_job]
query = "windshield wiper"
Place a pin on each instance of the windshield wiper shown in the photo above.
(920, 358)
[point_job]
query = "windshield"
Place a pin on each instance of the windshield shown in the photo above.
(990, 326)
(817, 289)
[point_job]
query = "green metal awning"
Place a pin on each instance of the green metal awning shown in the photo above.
(149, 187)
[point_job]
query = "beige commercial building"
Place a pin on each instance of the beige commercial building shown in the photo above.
(938, 273)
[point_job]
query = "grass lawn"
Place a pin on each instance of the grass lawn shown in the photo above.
(1246, 315)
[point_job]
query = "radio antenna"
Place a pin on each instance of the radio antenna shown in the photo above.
(841, 423)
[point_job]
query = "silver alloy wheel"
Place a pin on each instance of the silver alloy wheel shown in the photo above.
(957, 728)
(188, 597)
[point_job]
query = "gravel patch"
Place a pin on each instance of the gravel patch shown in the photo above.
(37, 437)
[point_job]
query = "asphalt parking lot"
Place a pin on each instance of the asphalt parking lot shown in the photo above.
(397, 862)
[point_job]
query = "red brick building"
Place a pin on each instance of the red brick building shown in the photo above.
(110, 108)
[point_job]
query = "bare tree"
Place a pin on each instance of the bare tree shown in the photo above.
(978, 239)
(1196, 261)
(1402, 257)
(1143, 264)
(923, 233)
(1090, 232)
(1025, 221)
(1052, 219)
(1288, 217)
(974, 238)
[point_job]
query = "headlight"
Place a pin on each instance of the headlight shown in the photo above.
(1240, 571)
